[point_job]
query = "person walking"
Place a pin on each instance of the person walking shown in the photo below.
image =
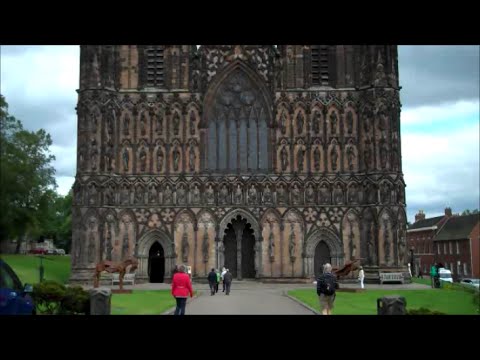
(181, 288)
(224, 271)
(326, 288)
(361, 277)
(212, 280)
(227, 280)
(218, 280)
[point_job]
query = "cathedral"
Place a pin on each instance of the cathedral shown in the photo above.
(268, 160)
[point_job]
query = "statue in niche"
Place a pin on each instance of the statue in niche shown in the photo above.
(143, 124)
(153, 194)
(181, 195)
(284, 156)
(383, 154)
(316, 122)
(400, 194)
(395, 157)
(93, 153)
(176, 158)
(281, 198)
(252, 195)
(296, 194)
(372, 194)
(159, 159)
(95, 117)
(367, 155)
(401, 246)
(324, 194)
(223, 196)
(196, 195)
(109, 246)
(125, 245)
(139, 195)
(283, 122)
(125, 195)
(334, 157)
(238, 195)
(271, 243)
(126, 124)
(350, 156)
(159, 124)
(333, 123)
(349, 122)
(300, 122)
(353, 194)
(310, 194)
(385, 193)
(316, 159)
(352, 246)
(109, 196)
(210, 195)
(192, 123)
(110, 119)
(91, 246)
(205, 245)
(372, 255)
(143, 160)
(109, 155)
(185, 245)
(81, 156)
(125, 157)
(300, 158)
(168, 195)
(291, 243)
(92, 194)
(192, 158)
(267, 195)
(386, 242)
(176, 123)
(338, 195)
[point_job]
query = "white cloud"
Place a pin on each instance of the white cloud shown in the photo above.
(64, 183)
(427, 115)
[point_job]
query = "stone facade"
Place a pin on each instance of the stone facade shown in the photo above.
(270, 160)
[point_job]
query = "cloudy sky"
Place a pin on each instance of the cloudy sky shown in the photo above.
(440, 116)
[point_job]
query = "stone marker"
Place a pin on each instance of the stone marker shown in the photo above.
(391, 305)
(100, 301)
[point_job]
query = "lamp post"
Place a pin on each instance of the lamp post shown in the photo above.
(41, 269)
(412, 259)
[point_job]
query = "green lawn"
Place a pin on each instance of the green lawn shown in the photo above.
(425, 281)
(142, 303)
(451, 302)
(57, 268)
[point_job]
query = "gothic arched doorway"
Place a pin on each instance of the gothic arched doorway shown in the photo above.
(322, 256)
(156, 263)
(239, 244)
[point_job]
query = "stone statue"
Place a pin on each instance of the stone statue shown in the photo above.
(316, 122)
(176, 158)
(126, 124)
(238, 195)
(353, 194)
(271, 243)
(109, 195)
(367, 155)
(196, 195)
(125, 244)
(386, 242)
(324, 194)
(143, 160)
(223, 198)
(92, 194)
(333, 123)
(139, 195)
(109, 245)
(350, 156)
(125, 195)
(401, 246)
(372, 255)
(176, 123)
(205, 245)
(210, 195)
(310, 194)
(159, 159)
(385, 194)
(167, 196)
(93, 153)
(338, 196)
(181, 195)
(125, 156)
(291, 243)
(349, 122)
(267, 195)
(353, 247)
(383, 155)
(143, 122)
(300, 158)
(192, 158)
(185, 245)
(334, 157)
(252, 195)
(91, 247)
(300, 122)
(153, 194)
(284, 156)
(192, 123)
(316, 159)
(159, 124)
(283, 121)
(109, 155)
(296, 194)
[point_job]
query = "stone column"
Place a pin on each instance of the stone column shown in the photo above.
(100, 301)
(195, 247)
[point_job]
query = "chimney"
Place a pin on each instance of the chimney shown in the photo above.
(448, 211)
(420, 216)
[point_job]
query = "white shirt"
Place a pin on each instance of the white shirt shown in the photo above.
(223, 273)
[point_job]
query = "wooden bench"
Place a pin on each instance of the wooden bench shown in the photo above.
(128, 278)
(391, 277)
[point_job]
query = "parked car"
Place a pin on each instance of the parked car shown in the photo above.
(445, 275)
(60, 251)
(15, 298)
(471, 282)
(39, 251)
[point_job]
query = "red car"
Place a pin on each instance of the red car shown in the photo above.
(39, 251)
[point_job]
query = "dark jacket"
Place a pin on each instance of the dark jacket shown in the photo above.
(212, 277)
(322, 279)
(228, 277)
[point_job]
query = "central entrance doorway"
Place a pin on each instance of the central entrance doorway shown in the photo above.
(156, 263)
(239, 245)
(322, 256)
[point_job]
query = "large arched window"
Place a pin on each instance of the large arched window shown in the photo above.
(237, 137)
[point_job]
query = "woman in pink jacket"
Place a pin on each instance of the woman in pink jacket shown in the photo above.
(181, 288)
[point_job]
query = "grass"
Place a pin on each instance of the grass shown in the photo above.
(57, 268)
(448, 301)
(425, 281)
(142, 302)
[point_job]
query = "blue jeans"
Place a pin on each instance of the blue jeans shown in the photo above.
(181, 303)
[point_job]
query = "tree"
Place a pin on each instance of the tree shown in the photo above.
(26, 174)
(469, 212)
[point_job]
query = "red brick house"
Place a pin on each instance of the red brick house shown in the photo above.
(456, 245)
(420, 240)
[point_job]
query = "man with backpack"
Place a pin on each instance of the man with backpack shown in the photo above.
(326, 287)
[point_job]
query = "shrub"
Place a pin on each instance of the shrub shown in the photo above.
(75, 301)
(423, 311)
(48, 296)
